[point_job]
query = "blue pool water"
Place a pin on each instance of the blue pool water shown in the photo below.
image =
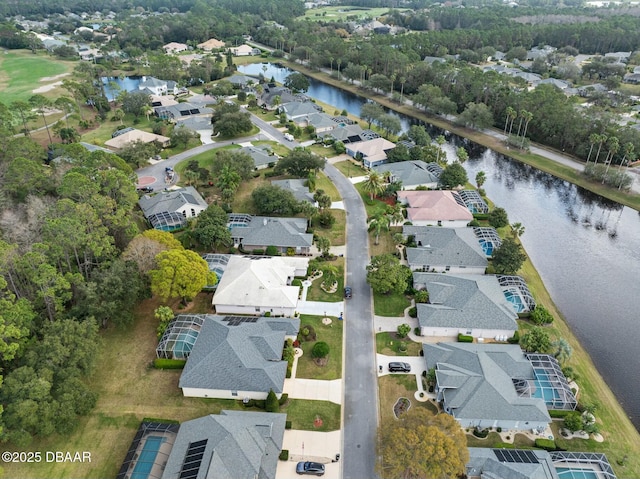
(572, 473)
(487, 247)
(147, 457)
(184, 345)
(515, 300)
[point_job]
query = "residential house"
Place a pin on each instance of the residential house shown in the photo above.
(321, 122)
(155, 86)
(257, 285)
(432, 60)
(473, 305)
(344, 133)
(560, 84)
(232, 443)
(244, 50)
(273, 96)
(237, 357)
(175, 47)
(262, 158)
(182, 110)
(259, 232)
(633, 78)
(620, 57)
(242, 81)
(588, 90)
(175, 205)
(478, 384)
(440, 250)
(435, 208)
(122, 138)
(298, 109)
(211, 44)
(540, 52)
(297, 187)
(371, 152)
(412, 173)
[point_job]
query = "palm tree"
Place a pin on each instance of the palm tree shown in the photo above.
(522, 115)
(191, 177)
(593, 139)
(629, 149)
(601, 140)
(481, 177)
(40, 104)
(338, 63)
(147, 110)
(379, 222)
(373, 184)
(614, 147)
(528, 116)
(562, 349)
(511, 113)
(440, 140)
(462, 155)
(392, 79)
(517, 230)
(402, 81)
(394, 213)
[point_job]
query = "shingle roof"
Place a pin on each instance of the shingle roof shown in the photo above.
(477, 381)
(434, 206)
(257, 281)
(297, 187)
(483, 462)
(464, 301)
(295, 109)
(444, 246)
(246, 357)
(170, 201)
(412, 172)
(238, 444)
(259, 156)
(282, 232)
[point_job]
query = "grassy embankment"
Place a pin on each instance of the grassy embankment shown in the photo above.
(629, 199)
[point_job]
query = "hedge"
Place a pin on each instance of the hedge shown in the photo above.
(559, 413)
(284, 455)
(160, 363)
(463, 338)
(481, 434)
(546, 444)
(515, 339)
(160, 420)
(287, 424)
(283, 399)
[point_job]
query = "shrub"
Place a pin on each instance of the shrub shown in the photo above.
(257, 251)
(271, 404)
(267, 314)
(160, 363)
(413, 312)
(421, 296)
(558, 413)
(546, 444)
(403, 330)
(540, 315)
(473, 223)
(272, 251)
(481, 433)
(463, 338)
(287, 424)
(249, 403)
(259, 403)
(573, 421)
(402, 347)
(160, 420)
(283, 399)
(291, 252)
(417, 331)
(499, 429)
(320, 350)
(296, 282)
(515, 339)
(284, 454)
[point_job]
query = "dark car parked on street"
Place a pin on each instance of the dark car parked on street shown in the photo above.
(347, 292)
(145, 189)
(310, 468)
(399, 367)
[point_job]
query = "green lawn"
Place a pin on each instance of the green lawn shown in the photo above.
(303, 414)
(390, 304)
(342, 13)
(374, 206)
(330, 334)
(389, 344)
(325, 184)
(21, 72)
(350, 168)
(316, 293)
(336, 233)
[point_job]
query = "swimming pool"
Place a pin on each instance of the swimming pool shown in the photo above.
(147, 457)
(575, 473)
(514, 298)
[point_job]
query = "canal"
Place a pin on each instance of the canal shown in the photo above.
(585, 247)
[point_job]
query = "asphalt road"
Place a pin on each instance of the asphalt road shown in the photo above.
(360, 401)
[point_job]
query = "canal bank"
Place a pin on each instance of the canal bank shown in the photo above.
(489, 141)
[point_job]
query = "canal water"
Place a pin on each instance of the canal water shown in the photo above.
(585, 247)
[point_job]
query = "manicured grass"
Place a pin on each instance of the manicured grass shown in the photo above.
(341, 13)
(389, 345)
(374, 206)
(303, 414)
(350, 168)
(492, 438)
(394, 386)
(385, 241)
(276, 147)
(243, 203)
(316, 293)
(322, 151)
(21, 72)
(336, 233)
(330, 334)
(325, 184)
(390, 305)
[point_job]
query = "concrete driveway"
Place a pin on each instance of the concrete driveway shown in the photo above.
(314, 389)
(310, 446)
(321, 308)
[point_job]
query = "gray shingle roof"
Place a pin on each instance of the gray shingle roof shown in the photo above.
(282, 232)
(469, 301)
(170, 201)
(477, 381)
(297, 108)
(240, 444)
(444, 247)
(412, 172)
(483, 462)
(246, 357)
(260, 157)
(297, 187)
